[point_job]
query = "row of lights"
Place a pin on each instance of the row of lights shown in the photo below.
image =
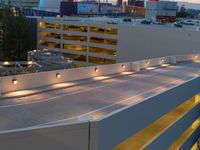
(96, 69)
(162, 60)
(15, 81)
(58, 75)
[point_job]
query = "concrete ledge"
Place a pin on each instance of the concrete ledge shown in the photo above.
(65, 137)
(130, 120)
(41, 79)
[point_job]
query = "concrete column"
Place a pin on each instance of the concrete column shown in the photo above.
(135, 67)
(172, 60)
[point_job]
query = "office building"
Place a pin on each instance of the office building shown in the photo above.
(91, 41)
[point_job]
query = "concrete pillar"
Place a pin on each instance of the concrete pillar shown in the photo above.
(172, 60)
(135, 67)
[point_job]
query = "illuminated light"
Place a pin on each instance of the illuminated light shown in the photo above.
(58, 75)
(29, 62)
(151, 68)
(6, 63)
(123, 66)
(196, 56)
(14, 81)
(34, 50)
(162, 60)
(165, 65)
(147, 62)
(101, 78)
(126, 73)
(96, 69)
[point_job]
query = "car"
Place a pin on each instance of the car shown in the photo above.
(127, 20)
(188, 22)
(159, 22)
(146, 22)
(178, 25)
(112, 22)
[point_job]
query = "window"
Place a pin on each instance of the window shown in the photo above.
(75, 28)
(102, 51)
(45, 25)
(50, 35)
(103, 40)
(74, 47)
(74, 37)
(75, 57)
(49, 44)
(101, 61)
(103, 30)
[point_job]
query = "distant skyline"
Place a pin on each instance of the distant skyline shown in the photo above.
(189, 1)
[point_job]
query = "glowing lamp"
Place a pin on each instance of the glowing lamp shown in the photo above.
(58, 75)
(96, 69)
(14, 81)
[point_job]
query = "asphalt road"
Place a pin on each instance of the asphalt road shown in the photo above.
(92, 100)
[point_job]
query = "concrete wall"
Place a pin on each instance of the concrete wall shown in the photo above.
(142, 42)
(29, 81)
(115, 128)
(66, 137)
(35, 80)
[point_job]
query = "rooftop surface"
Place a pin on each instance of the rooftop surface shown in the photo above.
(94, 99)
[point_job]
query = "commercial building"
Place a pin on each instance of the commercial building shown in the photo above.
(161, 10)
(93, 41)
(71, 8)
(25, 3)
(147, 104)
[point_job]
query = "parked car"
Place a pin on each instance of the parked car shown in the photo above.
(127, 20)
(146, 22)
(188, 22)
(159, 22)
(112, 22)
(178, 25)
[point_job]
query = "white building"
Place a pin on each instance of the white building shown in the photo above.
(165, 9)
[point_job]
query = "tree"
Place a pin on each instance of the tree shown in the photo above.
(14, 38)
(182, 12)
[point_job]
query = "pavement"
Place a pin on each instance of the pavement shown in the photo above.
(91, 100)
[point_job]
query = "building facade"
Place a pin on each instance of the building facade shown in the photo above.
(85, 42)
(161, 10)
(96, 41)
(25, 3)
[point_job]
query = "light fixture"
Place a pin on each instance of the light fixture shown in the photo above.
(6, 63)
(58, 75)
(96, 69)
(14, 81)
(123, 66)
(162, 60)
(29, 62)
(147, 62)
(196, 56)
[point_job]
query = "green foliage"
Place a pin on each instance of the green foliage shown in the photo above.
(14, 38)
(182, 12)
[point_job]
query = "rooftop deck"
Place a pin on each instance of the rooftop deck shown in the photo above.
(93, 100)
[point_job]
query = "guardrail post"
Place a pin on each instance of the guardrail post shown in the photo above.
(172, 60)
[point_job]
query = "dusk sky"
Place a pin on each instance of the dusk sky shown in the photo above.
(190, 1)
